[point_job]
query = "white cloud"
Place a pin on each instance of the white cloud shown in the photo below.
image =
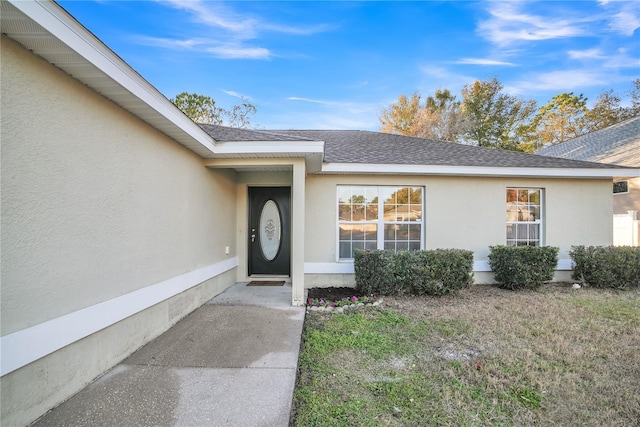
(622, 59)
(239, 52)
(236, 94)
(312, 101)
(484, 61)
(508, 24)
(586, 54)
(227, 32)
(233, 26)
(626, 22)
(559, 81)
(230, 50)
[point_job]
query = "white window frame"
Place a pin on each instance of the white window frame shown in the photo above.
(380, 221)
(540, 221)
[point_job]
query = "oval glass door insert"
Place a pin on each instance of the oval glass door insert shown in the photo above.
(270, 226)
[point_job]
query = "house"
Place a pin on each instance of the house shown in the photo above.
(618, 144)
(120, 215)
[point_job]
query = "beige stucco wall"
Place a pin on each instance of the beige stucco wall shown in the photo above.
(468, 213)
(624, 202)
(96, 204)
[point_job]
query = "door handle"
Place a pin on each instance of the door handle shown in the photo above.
(253, 238)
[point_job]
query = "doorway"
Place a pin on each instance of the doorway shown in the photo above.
(269, 231)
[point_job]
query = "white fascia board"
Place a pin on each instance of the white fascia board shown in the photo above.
(312, 151)
(269, 147)
(65, 28)
(391, 169)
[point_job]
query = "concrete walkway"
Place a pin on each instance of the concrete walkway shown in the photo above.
(232, 362)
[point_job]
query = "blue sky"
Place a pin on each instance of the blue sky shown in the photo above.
(336, 65)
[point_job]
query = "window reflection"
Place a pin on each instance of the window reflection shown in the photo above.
(523, 216)
(395, 211)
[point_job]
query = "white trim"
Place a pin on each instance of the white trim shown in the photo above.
(312, 151)
(270, 147)
(387, 169)
(329, 268)
(348, 268)
(25, 346)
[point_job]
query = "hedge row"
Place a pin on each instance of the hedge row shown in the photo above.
(607, 266)
(522, 267)
(434, 272)
(443, 271)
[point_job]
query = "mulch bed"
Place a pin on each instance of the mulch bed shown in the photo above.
(332, 293)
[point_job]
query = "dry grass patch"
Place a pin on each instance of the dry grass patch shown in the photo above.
(555, 356)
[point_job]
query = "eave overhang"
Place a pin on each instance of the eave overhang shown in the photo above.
(487, 171)
(47, 30)
(312, 151)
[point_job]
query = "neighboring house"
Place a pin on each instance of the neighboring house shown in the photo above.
(120, 215)
(618, 144)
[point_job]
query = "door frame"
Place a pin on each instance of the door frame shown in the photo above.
(286, 231)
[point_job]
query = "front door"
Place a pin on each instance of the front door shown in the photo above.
(270, 230)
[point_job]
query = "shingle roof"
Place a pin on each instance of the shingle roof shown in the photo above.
(229, 134)
(353, 146)
(367, 147)
(617, 144)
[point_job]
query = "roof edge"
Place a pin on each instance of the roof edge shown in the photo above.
(64, 27)
(533, 172)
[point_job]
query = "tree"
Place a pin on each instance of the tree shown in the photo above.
(401, 117)
(441, 118)
(605, 112)
(238, 117)
(562, 118)
(496, 120)
(203, 109)
(199, 108)
(634, 109)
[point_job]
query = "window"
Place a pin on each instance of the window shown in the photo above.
(620, 187)
(379, 218)
(524, 220)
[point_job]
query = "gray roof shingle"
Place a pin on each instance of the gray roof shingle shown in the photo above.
(355, 146)
(617, 144)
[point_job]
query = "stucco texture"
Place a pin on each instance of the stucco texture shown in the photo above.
(95, 202)
(470, 212)
(624, 202)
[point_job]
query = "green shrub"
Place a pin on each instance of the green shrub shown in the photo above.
(373, 272)
(607, 266)
(436, 272)
(522, 267)
(441, 271)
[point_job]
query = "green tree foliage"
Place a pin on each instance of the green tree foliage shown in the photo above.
(199, 108)
(562, 118)
(203, 109)
(606, 111)
(487, 117)
(496, 120)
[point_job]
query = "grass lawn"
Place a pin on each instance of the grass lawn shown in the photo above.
(556, 356)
